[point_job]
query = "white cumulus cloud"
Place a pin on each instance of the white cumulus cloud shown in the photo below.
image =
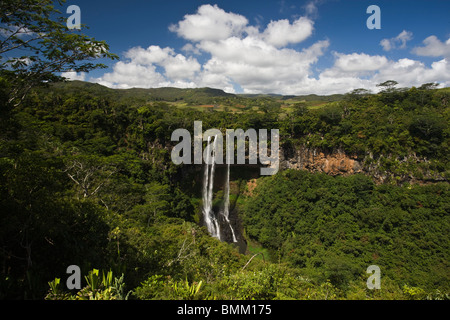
(359, 70)
(280, 33)
(398, 42)
(359, 62)
(141, 70)
(239, 54)
(223, 50)
(72, 75)
(210, 23)
(434, 48)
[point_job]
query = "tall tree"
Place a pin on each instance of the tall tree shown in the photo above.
(387, 86)
(36, 45)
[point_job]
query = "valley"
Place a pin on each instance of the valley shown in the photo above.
(87, 174)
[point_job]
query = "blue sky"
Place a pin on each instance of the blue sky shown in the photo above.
(287, 47)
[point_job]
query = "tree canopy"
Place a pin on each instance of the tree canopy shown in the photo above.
(36, 46)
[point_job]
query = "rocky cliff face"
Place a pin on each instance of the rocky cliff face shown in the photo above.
(411, 169)
(313, 160)
(382, 168)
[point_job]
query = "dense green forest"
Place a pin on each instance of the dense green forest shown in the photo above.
(86, 179)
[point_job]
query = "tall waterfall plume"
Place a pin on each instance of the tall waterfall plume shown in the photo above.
(214, 222)
(207, 195)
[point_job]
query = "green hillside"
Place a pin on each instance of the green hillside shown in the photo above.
(86, 179)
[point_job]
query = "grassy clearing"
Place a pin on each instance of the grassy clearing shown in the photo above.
(254, 247)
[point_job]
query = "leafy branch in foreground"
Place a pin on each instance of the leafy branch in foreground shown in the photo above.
(35, 46)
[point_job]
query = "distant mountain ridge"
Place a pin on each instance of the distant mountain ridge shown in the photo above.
(163, 93)
(174, 94)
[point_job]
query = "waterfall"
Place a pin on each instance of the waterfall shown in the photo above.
(208, 183)
(211, 221)
(226, 208)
